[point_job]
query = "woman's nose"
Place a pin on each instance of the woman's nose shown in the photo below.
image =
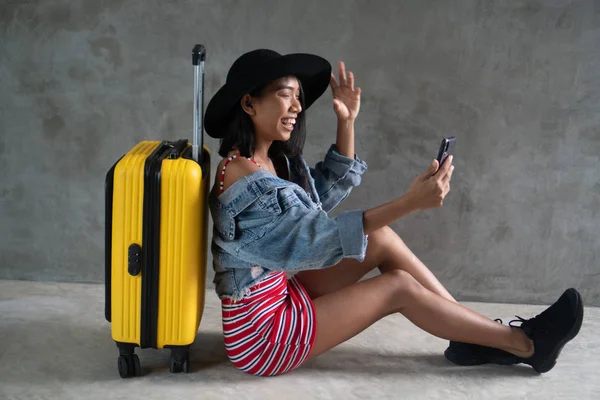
(296, 105)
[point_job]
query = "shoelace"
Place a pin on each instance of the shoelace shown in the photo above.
(529, 325)
(519, 319)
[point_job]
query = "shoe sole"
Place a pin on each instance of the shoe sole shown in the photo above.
(456, 359)
(550, 361)
(467, 362)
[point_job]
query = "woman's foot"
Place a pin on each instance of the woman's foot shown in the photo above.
(468, 354)
(549, 331)
(552, 329)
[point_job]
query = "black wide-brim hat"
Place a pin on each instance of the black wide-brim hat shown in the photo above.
(257, 68)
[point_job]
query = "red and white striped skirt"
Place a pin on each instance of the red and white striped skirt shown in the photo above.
(271, 331)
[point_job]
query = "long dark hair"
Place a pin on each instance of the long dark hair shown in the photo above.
(239, 133)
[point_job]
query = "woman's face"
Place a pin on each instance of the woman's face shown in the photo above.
(274, 113)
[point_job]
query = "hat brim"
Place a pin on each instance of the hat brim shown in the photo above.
(313, 72)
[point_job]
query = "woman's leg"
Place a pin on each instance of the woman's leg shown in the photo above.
(345, 307)
(344, 313)
(385, 250)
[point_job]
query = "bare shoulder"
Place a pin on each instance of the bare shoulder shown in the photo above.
(236, 169)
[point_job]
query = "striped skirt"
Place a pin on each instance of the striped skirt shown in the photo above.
(272, 330)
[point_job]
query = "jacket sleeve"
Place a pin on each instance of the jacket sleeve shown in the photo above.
(335, 177)
(293, 236)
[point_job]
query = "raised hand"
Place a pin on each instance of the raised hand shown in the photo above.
(346, 99)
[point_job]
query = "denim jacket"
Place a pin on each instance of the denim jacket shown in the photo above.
(263, 223)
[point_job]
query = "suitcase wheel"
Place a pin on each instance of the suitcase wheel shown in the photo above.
(129, 365)
(180, 362)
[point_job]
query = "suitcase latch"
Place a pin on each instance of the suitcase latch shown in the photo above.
(134, 259)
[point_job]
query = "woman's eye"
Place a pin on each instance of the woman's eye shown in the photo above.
(288, 95)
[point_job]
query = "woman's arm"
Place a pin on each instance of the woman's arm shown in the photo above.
(428, 190)
(345, 138)
(280, 232)
(385, 214)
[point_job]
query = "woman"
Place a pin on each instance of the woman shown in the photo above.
(270, 217)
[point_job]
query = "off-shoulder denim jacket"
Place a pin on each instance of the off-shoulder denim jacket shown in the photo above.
(263, 223)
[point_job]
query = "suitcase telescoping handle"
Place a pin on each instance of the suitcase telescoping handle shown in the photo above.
(198, 57)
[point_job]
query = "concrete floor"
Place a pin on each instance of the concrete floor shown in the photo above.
(55, 344)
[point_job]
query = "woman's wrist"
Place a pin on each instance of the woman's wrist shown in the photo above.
(408, 202)
(346, 121)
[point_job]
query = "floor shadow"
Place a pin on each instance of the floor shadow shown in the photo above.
(206, 353)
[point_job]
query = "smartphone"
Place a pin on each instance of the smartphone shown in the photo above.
(446, 149)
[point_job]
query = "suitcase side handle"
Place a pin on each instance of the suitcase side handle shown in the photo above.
(198, 57)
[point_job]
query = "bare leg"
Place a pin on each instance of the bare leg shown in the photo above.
(345, 307)
(385, 250)
(348, 311)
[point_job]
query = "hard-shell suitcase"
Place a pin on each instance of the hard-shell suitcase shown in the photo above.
(157, 242)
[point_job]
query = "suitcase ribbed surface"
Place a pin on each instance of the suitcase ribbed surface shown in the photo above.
(181, 269)
(127, 229)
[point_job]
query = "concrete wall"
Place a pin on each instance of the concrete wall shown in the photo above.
(517, 82)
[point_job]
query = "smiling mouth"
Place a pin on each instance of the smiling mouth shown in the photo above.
(288, 123)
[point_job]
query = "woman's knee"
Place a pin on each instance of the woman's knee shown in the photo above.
(382, 235)
(381, 240)
(406, 288)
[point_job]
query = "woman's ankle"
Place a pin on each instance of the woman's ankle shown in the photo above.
(520, 345)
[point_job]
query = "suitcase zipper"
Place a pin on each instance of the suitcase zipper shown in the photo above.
(151, 245)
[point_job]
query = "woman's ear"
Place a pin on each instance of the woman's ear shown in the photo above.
(246, 104)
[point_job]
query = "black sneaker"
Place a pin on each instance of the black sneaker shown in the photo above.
(468, 354)
(552, 329)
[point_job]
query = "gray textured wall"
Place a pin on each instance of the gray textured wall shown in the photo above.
(518, 83)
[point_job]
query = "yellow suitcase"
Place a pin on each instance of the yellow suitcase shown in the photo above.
(157, 243)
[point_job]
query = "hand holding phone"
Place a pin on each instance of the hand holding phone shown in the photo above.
(429, 189)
